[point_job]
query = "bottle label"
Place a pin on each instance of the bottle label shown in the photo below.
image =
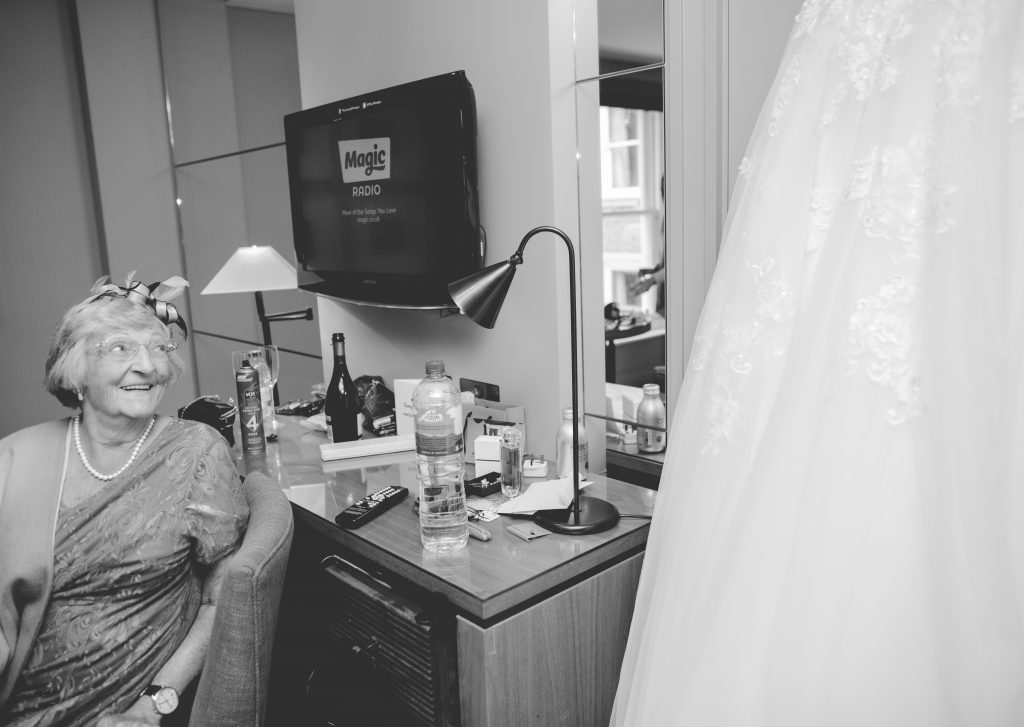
(439, 431)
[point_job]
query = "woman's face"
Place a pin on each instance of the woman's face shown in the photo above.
(127, 371)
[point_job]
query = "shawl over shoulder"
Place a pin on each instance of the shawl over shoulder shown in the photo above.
(31, 465)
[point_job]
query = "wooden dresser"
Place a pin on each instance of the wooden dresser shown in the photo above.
(503, 632)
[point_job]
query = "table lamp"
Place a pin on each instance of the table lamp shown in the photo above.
(253, 269)
(480, 296)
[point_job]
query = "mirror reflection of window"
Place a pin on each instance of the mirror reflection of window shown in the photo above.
(632, 167)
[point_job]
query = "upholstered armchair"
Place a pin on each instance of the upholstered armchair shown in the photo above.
(232, 690)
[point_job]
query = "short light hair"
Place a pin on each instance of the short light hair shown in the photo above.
(84, 324)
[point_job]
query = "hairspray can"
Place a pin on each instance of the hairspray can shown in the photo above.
(250, 408)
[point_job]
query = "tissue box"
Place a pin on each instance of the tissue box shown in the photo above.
(403, 405)
(621, 402)
(487, 453)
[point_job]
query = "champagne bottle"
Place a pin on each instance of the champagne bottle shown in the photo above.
(341, 407)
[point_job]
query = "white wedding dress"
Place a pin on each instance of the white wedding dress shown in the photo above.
(839, 534)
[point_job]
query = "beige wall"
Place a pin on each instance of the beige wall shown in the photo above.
(522, 75)
(232, 75)
(59, 232)
(516, 56)
(757, 32)
(49, 246)
(135, 185)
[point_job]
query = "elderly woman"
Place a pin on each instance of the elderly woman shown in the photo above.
(115, 525)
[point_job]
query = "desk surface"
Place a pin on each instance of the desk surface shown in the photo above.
(483, 580)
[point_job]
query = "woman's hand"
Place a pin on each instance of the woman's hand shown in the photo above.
(641, 285)
(648, 277)
(128, 720)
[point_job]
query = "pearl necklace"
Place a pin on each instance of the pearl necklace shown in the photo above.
(92, 470)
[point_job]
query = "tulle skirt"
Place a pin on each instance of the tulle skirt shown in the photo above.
(838, 534)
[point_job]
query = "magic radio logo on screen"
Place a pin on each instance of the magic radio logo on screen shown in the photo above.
(365, 160)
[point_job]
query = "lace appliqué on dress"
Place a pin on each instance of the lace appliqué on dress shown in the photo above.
(864, 50)
(971, 27)
(784, 94)
(739, 349)
(902, 199)
(1016, 94)
(882, 336)
(814, 11)
(824, 201)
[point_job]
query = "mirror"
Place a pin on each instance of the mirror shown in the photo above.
(627, 34)
(231, 74)
(621, 163)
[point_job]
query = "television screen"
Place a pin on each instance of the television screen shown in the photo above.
(384, 194)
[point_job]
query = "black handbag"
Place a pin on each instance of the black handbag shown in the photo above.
(211, 410)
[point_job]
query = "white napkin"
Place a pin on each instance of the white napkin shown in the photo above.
(312, 497)
(544, 495)
(317, 422)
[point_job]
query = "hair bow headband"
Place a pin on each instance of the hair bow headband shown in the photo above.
(152, 296)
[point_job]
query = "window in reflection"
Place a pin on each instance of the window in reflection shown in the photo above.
(632, 208)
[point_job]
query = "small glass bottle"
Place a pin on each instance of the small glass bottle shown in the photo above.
(651, 411)
(511, 462)
(563, 446)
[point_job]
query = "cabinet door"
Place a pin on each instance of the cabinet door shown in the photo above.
(405, 649)
(554, 663)
(352, 650)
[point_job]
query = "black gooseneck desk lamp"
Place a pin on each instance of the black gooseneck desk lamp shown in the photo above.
(480, 296)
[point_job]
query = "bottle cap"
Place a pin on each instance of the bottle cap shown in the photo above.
(511, 438)
(434, 366)
(652, 389)
(337, 337)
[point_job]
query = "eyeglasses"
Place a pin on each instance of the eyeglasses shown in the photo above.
(126, 349)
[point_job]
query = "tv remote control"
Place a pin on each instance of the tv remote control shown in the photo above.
(370, 506)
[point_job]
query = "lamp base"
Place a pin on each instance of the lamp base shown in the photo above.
(595, 515)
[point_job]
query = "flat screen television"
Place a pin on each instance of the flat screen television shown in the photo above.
(384, 193)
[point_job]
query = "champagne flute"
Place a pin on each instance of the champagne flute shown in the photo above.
(272, 358)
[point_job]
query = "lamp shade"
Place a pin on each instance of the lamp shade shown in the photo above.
(253, 268)
(481, 294)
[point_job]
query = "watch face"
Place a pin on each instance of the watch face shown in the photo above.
(166, 700)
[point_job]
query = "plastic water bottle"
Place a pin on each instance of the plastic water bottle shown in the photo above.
(441, 459)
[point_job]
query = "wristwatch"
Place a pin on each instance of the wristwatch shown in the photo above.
(165, 699)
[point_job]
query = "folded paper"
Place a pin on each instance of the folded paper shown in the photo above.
(545, 495)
